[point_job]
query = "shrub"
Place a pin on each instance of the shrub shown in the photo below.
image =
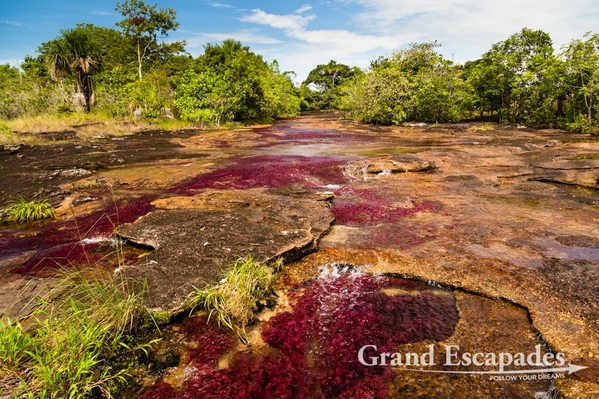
(582, 125)
(22, 211)
(6, 134)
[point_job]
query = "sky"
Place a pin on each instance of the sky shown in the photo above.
(302, 34)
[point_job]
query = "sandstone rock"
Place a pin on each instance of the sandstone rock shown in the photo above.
(195, 239)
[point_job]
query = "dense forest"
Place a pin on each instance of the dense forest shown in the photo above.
(129, 71)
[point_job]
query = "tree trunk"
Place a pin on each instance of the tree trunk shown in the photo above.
(84, 86)
(139, 59)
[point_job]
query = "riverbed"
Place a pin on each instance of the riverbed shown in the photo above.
(478, 236)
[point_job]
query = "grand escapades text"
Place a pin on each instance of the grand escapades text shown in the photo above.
(368, 356)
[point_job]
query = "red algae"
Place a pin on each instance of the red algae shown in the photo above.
(363, 214)
(288, 136)
(270, 172)
(313, 349)
(212, 342)
(74, 242)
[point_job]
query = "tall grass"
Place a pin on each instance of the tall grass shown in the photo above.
(76, 339)
(89, 125)
(21, 211)
(233, 300)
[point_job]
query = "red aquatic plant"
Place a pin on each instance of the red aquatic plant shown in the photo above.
(339, 316)
(313, 349)
(270, 172)
(74, 241)
(211, 341)
(363, 214)
(281, 135)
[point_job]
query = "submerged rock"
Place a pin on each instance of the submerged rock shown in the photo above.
(196, 238)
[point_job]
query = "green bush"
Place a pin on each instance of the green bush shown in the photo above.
(14, 345)
(582, 125)
(6, 134)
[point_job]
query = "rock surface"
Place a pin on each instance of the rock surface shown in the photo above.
(196, 238)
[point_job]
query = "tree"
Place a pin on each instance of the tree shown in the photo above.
(326, 76)
(324, 82)
(143, 23)
(74, 53)
(230, 82)
(281, 97)
(518, 69)
(412, 84)
(582, 67)
(116, 48)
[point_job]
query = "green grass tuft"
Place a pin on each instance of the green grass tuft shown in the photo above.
(234, 299)
(14, 345)
(77, 340)
(21, 211)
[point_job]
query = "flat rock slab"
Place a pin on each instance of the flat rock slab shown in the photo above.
(18, 295)
(195, 239)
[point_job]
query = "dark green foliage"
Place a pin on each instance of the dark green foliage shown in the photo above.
(231, 83)
(582, 78)
(326, 76)
(321, 89)
(517, 80)
(415, 84)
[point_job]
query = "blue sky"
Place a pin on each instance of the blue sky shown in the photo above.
(301, 34)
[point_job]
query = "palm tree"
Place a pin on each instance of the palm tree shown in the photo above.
(74, 53)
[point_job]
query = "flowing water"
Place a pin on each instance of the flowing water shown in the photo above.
(493, 251)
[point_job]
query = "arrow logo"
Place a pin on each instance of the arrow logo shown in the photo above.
(571, 369)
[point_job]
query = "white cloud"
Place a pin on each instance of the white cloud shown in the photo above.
(15, 23)
(335, 41)
(249, 36)
(468, 28)
(289, 22)
(101, 13)
(220, 5)
(307, 48)
(303, 9)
